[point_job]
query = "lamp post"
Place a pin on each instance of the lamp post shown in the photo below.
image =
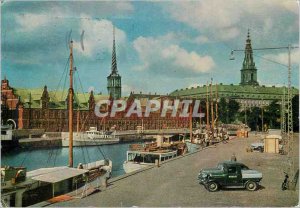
(262, 118)
(245, 113)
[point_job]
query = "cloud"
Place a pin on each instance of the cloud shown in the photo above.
(223, 20)
(127, 89)
(201, 39)
(164, 55)
(283, 57)
(98, 36)
(28, 22)
(30, 19)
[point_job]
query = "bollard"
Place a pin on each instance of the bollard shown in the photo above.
(157, 162)
(104, 182)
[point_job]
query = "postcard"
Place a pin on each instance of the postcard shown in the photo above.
(150, 103)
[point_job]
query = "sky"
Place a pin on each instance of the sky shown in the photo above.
(161, 45)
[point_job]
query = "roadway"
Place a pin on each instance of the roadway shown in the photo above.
(175, 184)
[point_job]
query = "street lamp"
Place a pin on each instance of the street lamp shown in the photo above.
(262, 118)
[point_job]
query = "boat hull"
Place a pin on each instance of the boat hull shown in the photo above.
(39, 183)
(82, 140)
(78, 143)
(133, 166)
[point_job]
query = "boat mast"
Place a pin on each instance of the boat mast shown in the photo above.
(216, 120)
(191, 124)
(71, 107)
(212, 107)
(207, 107)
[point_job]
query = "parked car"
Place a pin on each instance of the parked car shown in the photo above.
(230, 174)
(257, 147)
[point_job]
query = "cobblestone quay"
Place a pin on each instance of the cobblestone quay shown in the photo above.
(174, 184)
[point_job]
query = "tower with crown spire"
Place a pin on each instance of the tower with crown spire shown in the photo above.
(114, 85)
(248, 71)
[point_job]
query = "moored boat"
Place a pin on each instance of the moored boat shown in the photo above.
(144, 155)
(7, 140)
(90, 138)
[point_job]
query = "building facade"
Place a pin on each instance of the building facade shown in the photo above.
(43, 109)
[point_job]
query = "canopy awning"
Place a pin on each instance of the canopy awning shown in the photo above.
(55, 174)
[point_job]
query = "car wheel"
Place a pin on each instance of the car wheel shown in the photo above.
(212, 186)
(251, 186)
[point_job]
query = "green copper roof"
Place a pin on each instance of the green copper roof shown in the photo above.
(236, 91)
(57, 98)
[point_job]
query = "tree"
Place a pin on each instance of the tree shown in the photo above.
(233, 109)
(272, 115)
(253, 117)
(222, 111)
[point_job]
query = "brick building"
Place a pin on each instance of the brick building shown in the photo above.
(43, 109)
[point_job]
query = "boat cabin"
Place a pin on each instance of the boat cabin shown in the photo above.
(149, 157)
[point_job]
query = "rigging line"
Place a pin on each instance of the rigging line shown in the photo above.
(63, 91)
(82, 126)
(100, 150)
(76, 94)
(273, 61)
(65, 71)
(49, 157)
(82, 152)
(55, 156)
(87, 153)
(270, 60)
(81, 86)
(85, 147)
(26, 155)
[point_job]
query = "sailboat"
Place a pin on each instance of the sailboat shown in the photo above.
(21, 188)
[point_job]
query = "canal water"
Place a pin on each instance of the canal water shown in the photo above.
(42, 158)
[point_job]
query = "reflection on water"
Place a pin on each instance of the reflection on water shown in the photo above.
(41, 158)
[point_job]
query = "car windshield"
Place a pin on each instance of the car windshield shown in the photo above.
(244, 167)
(220, 166)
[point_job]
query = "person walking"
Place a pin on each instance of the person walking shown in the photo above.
(233, 157)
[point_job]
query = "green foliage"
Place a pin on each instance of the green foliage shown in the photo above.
(222, 111)
(228, 110)
(233, 109)
(272, 115)
(255, 118)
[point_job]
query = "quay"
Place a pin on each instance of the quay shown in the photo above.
(175, 183)
(53, 139)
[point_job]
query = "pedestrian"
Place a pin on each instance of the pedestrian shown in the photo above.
(233, 157)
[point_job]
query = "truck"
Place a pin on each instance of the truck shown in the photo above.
(230, 174)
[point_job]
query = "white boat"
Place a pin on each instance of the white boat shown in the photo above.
(20, 188)
(144, 155)
(6, 133)
(90, 138)
(7, 140)
(140, 159)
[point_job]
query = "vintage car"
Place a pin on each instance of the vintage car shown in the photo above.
(230, 174)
